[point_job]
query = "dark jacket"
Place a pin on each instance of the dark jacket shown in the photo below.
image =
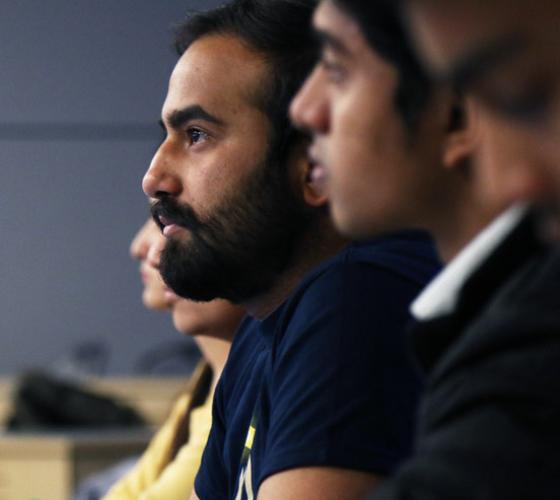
(489, 425)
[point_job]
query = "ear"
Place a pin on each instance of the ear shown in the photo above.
(462, 133)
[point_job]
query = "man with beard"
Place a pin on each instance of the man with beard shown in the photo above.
(487, 332)
(318, 397)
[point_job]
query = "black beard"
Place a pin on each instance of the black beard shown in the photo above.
(237, 252)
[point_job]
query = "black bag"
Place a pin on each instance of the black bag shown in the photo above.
(43, 402)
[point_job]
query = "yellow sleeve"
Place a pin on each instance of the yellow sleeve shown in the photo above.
(148, 469)
(176, 482)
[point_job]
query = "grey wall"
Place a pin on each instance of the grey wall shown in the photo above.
(81, 86)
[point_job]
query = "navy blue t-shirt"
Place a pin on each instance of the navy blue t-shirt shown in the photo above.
(325, 380)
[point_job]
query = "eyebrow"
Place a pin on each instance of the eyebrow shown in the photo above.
(176, 119)
(326, 39)
(470, 68)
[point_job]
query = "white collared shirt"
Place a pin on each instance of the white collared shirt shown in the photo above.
(441, 295)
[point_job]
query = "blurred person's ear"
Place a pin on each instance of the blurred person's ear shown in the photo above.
(462, 133)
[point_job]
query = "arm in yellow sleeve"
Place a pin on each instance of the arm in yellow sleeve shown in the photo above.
(154, 460)
(176, 481)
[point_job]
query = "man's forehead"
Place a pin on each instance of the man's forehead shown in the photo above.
(335, 28)
(475, 19)
(453, 35)
(472, 37)
(218, 69)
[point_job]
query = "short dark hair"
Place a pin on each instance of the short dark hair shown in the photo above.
(281, 31)
(381, 25)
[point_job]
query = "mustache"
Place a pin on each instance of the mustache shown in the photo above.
(173, 212)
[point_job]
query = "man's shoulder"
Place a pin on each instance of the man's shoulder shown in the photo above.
(527, 298)
(499, 382)
(410, 254)
(365, 289)
(492, 301)
(518, 328)
(526, 306)
(244, 357)
(535, 283)
(407, 257)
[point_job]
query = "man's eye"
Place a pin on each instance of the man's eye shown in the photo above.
(335, 72)
(529, 107)
(196, 135)
(527, 101)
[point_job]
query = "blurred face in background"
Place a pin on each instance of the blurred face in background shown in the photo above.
(505, 54)
(153, 295)
(217, 318)
(379, 175)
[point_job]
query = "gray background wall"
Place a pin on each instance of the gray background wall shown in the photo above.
(81, 86)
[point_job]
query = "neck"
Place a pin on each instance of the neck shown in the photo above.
(311, 251)
(461, 224)
(215, 352)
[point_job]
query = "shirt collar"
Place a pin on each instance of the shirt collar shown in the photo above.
(441, 295)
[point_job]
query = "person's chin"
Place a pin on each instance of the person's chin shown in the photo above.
(154, 302)
(171, 298)
(349, 224)
(185, 323)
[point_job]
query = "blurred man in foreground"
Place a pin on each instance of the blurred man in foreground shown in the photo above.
(487, 332)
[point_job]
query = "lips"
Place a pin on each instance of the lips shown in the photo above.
(318, 174)
(164, 221)
(168, 227)
(171, 229)
(144, 276)
(146, 272)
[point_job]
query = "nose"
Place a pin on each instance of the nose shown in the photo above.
(309, 109)
(160, 177)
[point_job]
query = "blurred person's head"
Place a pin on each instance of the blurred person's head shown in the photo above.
(231, 181)
(393, 148)
(505, 54)
(153, 295)
(212, 324)
(218, 318)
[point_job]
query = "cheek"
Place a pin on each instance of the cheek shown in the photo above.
(552, 135)
(219, 174)
(492, 160)
(505, 163)
(367, 141)
(348, 126)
